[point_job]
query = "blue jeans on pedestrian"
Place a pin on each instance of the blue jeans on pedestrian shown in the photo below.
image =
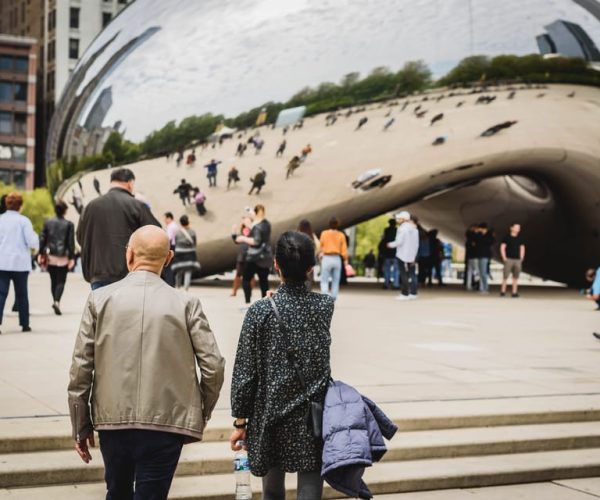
(483, 273)
(146, 458)
(331, 269)
(391, 273)
(19, 278)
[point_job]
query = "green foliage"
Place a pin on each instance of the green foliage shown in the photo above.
(532, 68)
(368, 236)
(37, 204)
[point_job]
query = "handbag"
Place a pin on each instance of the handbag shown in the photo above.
(314, 419)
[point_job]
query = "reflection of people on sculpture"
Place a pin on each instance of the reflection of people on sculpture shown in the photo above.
(365, 176)
(258, 181)
(436, 118)
(199, 200)
(293, 164)
(183, 190)
(593, 276)
(388, 124)
(497, 128)
(212, 172)
(96, 184)
(361, 122)
(232, 176)
(439, 140)
(281, 148)
(76, 201)
(379, 182)
(306, 150)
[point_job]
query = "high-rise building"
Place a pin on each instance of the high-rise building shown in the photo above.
(64, 29)
(18, 58)
(568, 39)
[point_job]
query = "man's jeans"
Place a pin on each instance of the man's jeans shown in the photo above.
(148, 458)
(408, 278)
(19, 278)
(483, 274)
(472, 269)
(391, 272)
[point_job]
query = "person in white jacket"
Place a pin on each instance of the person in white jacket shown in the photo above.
(407, 247)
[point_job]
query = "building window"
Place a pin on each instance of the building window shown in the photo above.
(51, 50)
(5, 175)
(5, 63)
(106, 18)
(19, 179)
(73, 48)
(20, 92)
(74, 18)
(21, 64)
(6, 123)
(52, 20)
(50, 81)
(20, 124)
(6, 94)
(13, 153)
(122, 1)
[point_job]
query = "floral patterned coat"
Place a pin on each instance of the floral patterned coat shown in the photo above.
(265, 387)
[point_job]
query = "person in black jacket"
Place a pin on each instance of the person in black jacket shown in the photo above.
(391, 267)
(57, 252)
(259, 256)
(105, 227)
(483, 253)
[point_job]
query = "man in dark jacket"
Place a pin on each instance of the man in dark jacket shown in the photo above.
(391, 269)
(105, 227)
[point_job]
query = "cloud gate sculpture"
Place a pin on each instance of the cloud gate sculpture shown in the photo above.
(231, 81)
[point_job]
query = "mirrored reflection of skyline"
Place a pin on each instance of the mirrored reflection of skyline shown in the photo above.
(227, 58)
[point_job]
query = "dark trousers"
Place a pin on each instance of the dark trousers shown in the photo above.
(310, 485)
(408, 278)
(58, 278)
(19, 279)
(250, 269)
(148, 458)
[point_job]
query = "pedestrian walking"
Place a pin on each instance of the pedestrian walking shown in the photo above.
(184, 191)
(484, 239)
(185, 262)
(57, 252)
(391, 270)
(199, 200)
(258, 181)
(140, 390)
(171, 229)
(437, 257)
(304, 226)
(471, 263)
(105, 227)
(407, 247)
(593, 293)
(306, 150)
(269, 402)
(211, 172)
(244, 230)
(259, 255)
(361, 122)
(370, 262)
(388, 124)
(334, 253)
(512, 251)
(17, 240)
(76, 201)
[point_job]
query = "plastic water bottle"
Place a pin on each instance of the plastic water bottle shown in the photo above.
(241, 470)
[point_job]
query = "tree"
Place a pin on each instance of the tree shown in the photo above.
(414, 76)
(470, 69)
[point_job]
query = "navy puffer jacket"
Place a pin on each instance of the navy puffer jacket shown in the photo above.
(353, 432)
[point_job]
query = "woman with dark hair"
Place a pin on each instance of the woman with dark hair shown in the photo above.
(185, 261)
(57, 252)
(268, 400)
(335, 254)
(304, 226)
(244, 230)
(17, 239)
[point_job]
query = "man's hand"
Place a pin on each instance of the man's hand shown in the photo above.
(71, 264)
(82, 448)
(237, 435)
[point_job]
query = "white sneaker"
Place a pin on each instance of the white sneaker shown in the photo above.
(412, 297)
(402, 297)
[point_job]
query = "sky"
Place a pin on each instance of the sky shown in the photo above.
(226, 56)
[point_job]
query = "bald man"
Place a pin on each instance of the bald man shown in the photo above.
(133, 376)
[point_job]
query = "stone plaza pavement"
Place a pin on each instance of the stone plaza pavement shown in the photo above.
(446, 346)
(448, 353)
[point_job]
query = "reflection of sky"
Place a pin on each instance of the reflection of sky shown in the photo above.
(225, 56)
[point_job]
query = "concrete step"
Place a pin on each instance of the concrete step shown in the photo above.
(22, 435)
(64, 466)
(385, 478)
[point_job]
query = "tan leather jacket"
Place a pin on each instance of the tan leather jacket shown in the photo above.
(135, 361)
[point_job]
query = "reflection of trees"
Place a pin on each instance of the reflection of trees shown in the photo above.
(380, 84)
(532, 68)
